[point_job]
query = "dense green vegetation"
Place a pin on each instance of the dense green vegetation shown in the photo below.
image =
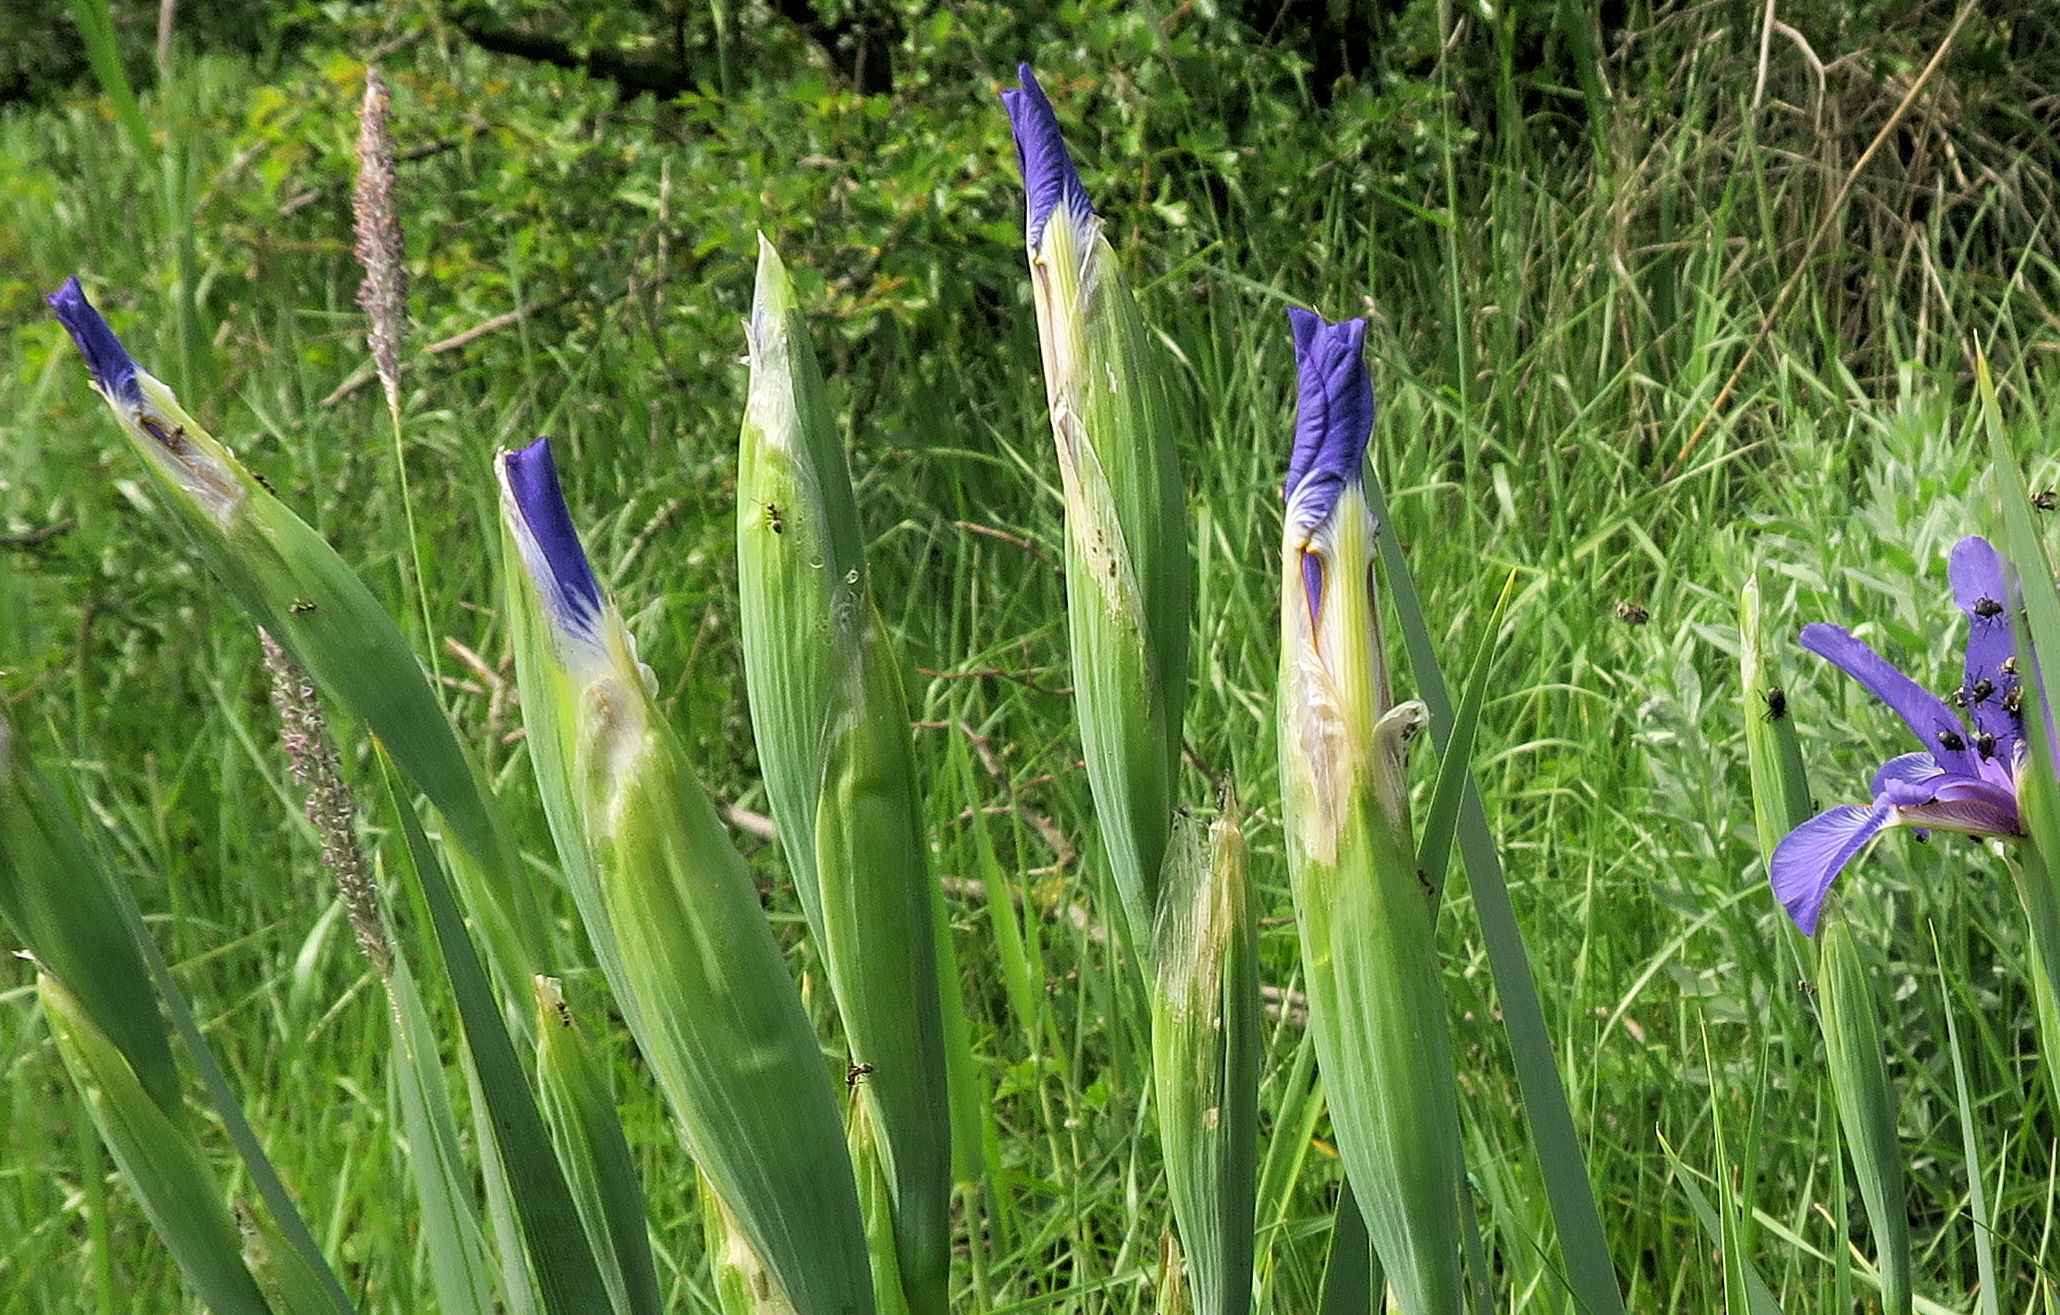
(1568, 236)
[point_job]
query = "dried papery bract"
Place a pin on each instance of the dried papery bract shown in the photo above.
(1206, 1057)
(675, 916)
(1369, 951)
(1115, 420)
(832, 728)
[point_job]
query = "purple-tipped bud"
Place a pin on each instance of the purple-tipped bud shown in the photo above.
(560, 563)
(1049, 179)
(1333, 414)
(113, 372)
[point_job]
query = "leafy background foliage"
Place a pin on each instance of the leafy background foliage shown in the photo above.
(1567, 229)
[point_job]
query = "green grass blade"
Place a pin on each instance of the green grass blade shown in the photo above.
(1589, 1270)
(579, 1105)
(75, 917)
(568, 1278)
(1987, 1301)
(58, 899)
(460, 1266)
(1350, 1269)
(1760, 1299)
(96, 30)
(1434, 849)
(157, 1157)
(1855, 1058)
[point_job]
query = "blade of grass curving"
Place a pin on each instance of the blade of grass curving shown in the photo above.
(460, 1267)
(1434, 850)
(1590, 1273)
(1350, 1267)
(1759, 1297)
(285, 1214)
(96, 30)
(1977, 1192)
(2038, 621)
(157, 1157)
(567, 1275)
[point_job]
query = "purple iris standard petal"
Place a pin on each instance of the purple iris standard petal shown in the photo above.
(1049, 178)
(1810, 858)
(1333, 413)
(1910, 794)
(1982, 588)
(1927, 716)
(113, 371)
(533, 482)
(1909, 768)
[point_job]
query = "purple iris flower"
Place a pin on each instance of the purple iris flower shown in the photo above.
(1965, 777)
(113, 372)
(1049, 178)
(1333, 413)
(551, 545)
(1333, 423)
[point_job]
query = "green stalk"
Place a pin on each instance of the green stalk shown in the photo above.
(1369, 950)
(1854, 1048)
(1854, 1057)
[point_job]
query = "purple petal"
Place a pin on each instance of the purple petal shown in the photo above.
(1929, 719)
(108, 361)
(1049, 178)
(533, 484)
(1977, 808)
(1312, 585)
(1810, 858)
(1982, 588)
(1907, 769)
(1333, 413)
